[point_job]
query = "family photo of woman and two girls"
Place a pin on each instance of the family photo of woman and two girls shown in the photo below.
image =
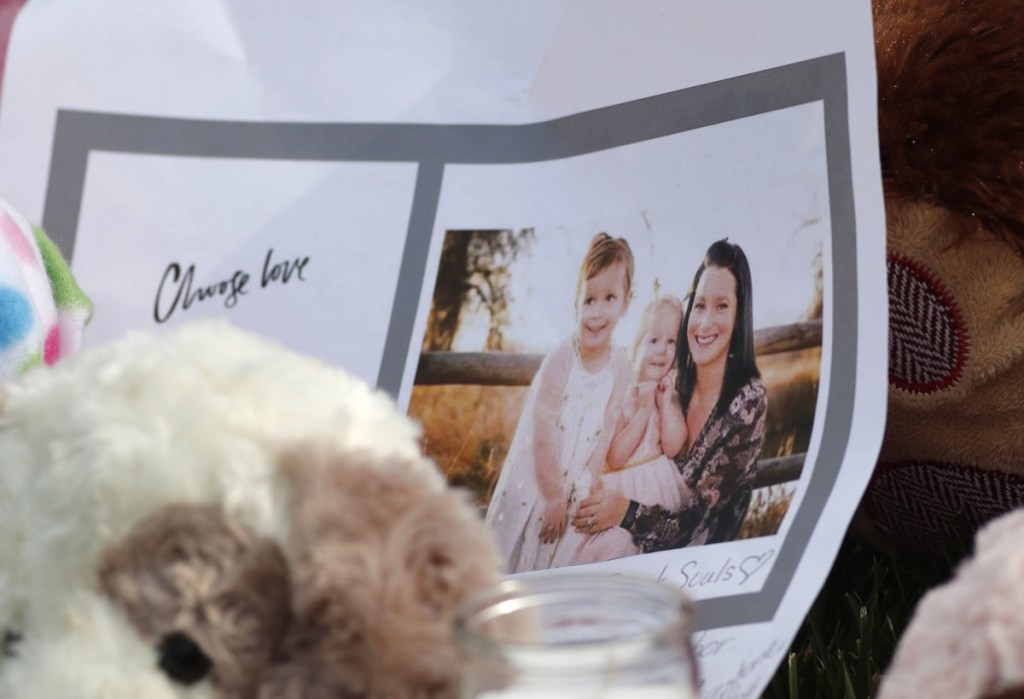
(624, 451)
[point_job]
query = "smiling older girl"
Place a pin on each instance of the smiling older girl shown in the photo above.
(566, 425)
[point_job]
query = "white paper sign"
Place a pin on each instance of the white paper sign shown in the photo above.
(409, 190)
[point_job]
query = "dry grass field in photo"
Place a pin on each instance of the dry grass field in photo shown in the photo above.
(467, 430)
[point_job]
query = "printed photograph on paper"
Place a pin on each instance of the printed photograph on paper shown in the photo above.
(615, 376)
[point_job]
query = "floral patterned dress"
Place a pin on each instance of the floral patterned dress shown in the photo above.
(719, 469)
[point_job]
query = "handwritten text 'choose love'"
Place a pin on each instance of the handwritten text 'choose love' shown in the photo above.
(176, 288)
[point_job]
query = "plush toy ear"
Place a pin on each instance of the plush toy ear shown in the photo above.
(432, 535)
(447, 550)
(381, 555)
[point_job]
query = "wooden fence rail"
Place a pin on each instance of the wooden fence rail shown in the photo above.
(518, 369)
(779, 470)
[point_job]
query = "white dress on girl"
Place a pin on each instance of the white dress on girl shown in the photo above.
(583, 412)
(648, 477)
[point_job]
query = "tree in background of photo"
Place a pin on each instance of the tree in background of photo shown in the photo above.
(474, 273)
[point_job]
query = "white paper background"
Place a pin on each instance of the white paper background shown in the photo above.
(224, 216)
(410, 62)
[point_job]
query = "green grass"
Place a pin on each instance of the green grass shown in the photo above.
(851, 632)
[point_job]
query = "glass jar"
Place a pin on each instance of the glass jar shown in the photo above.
(577, 635)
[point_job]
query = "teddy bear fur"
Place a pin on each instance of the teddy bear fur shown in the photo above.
(376, 583)
(951, 131)
(951, 114)
(951, 136)
(212, 515)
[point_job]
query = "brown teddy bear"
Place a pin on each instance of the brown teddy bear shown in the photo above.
(951, 129)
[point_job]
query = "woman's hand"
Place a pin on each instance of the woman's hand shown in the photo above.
(602, 509)
(552, 523)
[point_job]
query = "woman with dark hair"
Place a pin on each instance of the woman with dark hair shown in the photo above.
(723, 401)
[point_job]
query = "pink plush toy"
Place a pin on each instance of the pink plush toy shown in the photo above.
(966, 640)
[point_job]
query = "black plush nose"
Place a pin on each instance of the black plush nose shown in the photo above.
(182, 659)
(8, 642)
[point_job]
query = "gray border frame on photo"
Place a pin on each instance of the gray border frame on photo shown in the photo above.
(432, 147)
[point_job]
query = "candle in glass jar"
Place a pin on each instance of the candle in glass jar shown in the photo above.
(572, 635)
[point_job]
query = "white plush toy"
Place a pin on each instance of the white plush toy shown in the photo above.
(207, 514)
